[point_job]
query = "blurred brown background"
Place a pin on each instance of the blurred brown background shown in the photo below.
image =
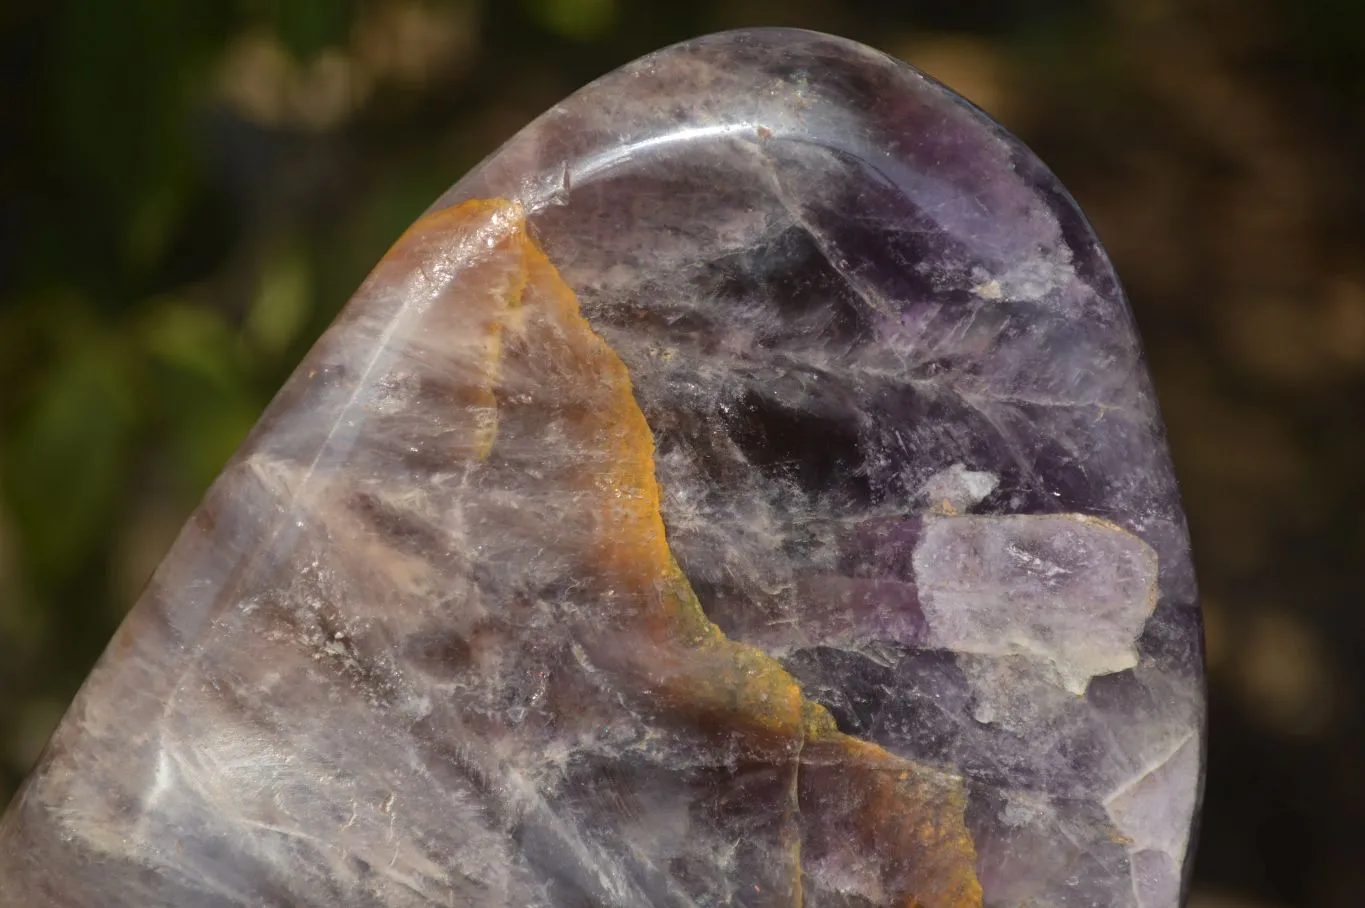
(189, 191)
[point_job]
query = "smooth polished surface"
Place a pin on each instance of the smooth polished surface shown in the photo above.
(744, 489)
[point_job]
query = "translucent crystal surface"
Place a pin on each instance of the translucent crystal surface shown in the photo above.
(744, 488)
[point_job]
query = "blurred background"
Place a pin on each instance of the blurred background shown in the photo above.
(189, 192)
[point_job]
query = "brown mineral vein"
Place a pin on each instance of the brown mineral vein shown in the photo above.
(648, 628)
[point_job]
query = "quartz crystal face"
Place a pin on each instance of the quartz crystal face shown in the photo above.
(744, 488)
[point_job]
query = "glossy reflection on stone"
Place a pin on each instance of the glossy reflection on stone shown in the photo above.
(744, 488)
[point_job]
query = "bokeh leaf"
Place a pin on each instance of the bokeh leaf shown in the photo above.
(283, 302)
(191, 338)
(578, 20)
(306, 27)
(66, 459)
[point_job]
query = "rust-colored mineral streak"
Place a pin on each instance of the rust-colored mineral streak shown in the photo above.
(647, 626)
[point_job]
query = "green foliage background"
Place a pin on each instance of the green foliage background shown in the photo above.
(189, 191)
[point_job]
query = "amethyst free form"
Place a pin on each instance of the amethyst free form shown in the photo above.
(744, 488)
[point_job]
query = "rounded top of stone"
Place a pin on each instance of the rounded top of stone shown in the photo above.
(768, 86)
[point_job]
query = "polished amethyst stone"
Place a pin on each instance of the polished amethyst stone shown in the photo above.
(744, 488)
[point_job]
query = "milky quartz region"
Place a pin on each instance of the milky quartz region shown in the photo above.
(744, 488)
